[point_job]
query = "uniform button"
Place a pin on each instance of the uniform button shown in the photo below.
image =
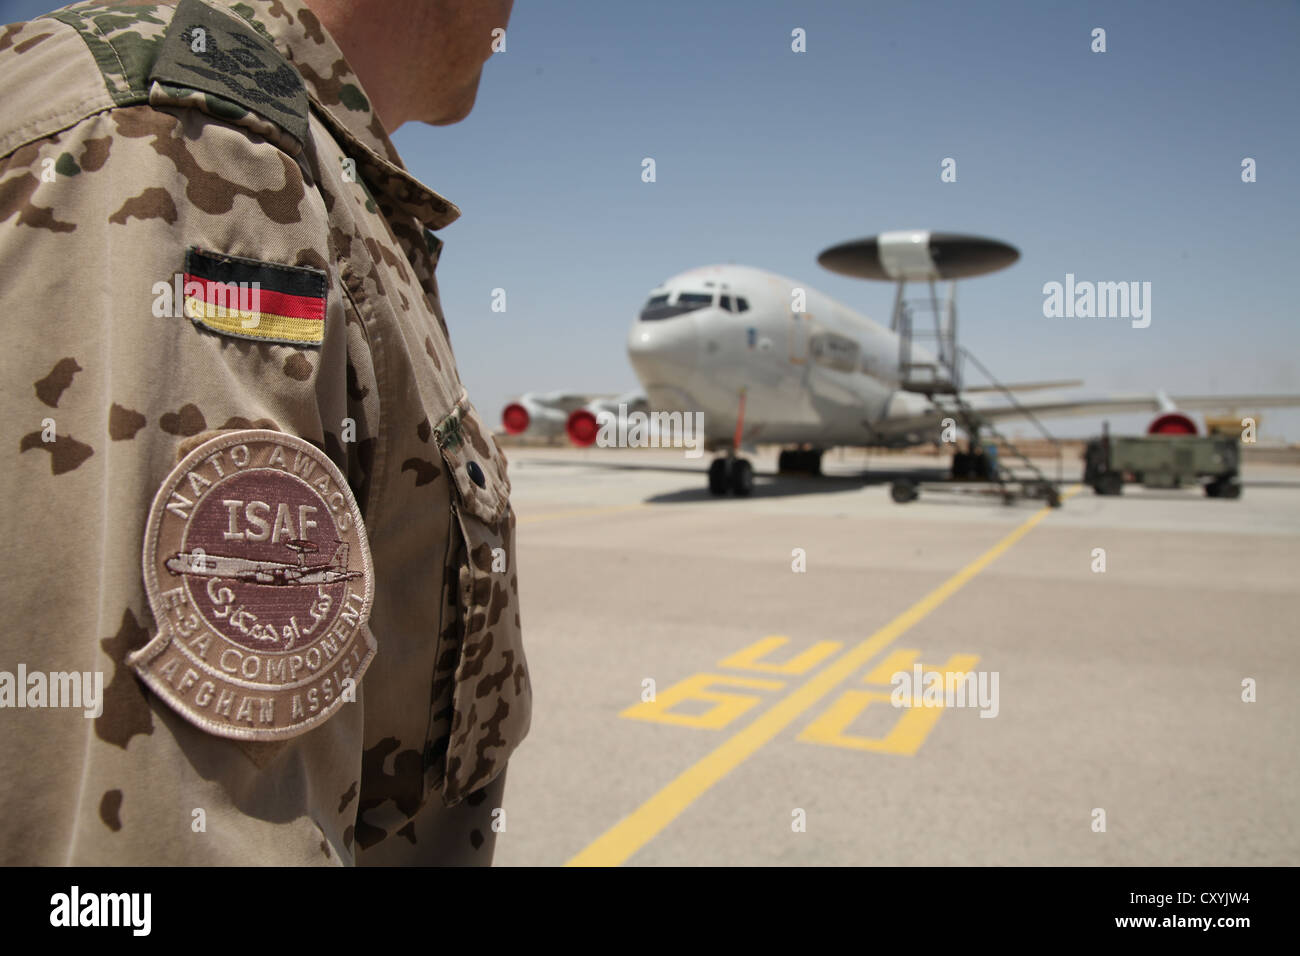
(476, 474)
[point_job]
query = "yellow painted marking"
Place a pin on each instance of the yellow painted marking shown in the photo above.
(725, 709)
(579, 513)
(751, 658)
(904, 738)
(908, 733)
(642, 825)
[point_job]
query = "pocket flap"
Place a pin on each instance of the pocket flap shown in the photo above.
(477, 465)
(490, 693)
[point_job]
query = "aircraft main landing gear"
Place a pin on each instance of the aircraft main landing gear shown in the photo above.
(972, 465)
(731, 474)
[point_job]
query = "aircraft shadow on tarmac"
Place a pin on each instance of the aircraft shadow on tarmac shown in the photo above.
(784, 486)
(772, 485)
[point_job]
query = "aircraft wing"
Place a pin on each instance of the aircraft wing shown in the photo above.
(996, 408)
(564, 401)
(1026, 386)
(551, 414)
(634, 402)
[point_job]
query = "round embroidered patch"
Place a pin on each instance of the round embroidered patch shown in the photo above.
(258, 572)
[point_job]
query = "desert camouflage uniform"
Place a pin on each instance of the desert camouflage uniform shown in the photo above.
(111, 168)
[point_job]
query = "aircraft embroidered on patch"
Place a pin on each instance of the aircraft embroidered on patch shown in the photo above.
(258, 572)
(251, 299)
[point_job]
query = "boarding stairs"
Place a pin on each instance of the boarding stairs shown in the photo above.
(940, 377)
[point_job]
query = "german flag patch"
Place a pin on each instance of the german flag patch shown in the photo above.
(251, 299)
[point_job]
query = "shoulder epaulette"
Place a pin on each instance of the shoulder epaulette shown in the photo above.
(202, 50)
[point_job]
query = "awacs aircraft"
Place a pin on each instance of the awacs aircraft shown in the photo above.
(272, 573)
(768, 359)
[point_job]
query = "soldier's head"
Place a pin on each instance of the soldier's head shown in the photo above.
(417, 59)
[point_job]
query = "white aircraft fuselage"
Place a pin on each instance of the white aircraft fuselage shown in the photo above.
(768, 360)
(826, 375)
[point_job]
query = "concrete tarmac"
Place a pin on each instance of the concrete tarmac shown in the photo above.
(698, 701)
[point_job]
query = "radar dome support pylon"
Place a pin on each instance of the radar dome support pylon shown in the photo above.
(917, 255)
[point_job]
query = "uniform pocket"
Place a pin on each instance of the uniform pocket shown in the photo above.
(491, 697)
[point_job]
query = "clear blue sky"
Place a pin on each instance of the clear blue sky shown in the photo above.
(1116, 166)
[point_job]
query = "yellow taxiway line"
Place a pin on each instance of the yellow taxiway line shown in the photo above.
(637, 829)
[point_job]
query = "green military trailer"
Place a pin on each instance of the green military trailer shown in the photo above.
(1163, 461)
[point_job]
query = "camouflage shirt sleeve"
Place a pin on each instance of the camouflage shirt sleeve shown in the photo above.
(215, 141)
(107, 382)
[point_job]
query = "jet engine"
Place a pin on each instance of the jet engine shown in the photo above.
(535, 415)
(582, 427)
(1172, 423)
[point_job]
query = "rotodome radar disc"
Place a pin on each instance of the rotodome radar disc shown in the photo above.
(918, 254)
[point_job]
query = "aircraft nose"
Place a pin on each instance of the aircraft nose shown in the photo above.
(664, 351)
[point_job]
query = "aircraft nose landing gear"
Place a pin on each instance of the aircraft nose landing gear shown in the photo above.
(731, 474)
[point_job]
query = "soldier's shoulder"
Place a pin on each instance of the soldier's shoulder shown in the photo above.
(104, 54)
(51, 81)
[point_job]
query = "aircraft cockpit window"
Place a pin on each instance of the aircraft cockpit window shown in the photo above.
(726, 302)
(658, 307)
(690, 301)
(742, 305)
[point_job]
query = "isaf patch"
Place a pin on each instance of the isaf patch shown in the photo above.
(251, 299)
(258, 571)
